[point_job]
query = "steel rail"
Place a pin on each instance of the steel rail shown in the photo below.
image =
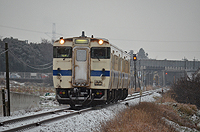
(134, 96)
(41, 121)
(11, 121)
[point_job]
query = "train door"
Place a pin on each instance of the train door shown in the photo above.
(81, 67)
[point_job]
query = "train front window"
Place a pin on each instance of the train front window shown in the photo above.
(81, 55)
(62, 52)
(100, 52)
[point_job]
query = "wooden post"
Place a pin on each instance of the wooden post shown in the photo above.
(140, 95)
(4, 103)
(135, 59)
(7, 80)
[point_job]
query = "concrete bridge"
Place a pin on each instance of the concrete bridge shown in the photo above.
(164, 72)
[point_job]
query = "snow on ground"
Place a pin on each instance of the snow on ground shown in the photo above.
(178, 127)
(89, 121)
(84, 122)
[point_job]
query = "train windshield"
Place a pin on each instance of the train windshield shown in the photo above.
(100, 52)
(62, 52)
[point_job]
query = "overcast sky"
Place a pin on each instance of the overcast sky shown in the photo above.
(165, 29)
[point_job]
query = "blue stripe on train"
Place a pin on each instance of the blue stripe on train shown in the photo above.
(62, 72)
(98, 73)
(69, 73)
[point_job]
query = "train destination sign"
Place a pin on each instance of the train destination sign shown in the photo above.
(81, 41)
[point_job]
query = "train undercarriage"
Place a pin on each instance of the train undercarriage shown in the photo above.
(89, 97)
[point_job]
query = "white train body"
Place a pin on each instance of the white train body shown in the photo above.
(89, 70)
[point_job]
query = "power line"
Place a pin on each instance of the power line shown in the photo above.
(154, 41)
(53, 32)
(3, 52)
(45, 64)
(37, 65)
(28, 64)
(30, 30)
(22, 29)
(172, 51)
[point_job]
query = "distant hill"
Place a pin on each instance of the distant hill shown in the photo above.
(26, 57)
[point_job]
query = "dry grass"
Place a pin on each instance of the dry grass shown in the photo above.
(131, 91)
(32, 90)
(167, 97)
(141, 118)
(148, 116)
(186, 109)
(149, 87)
(28, 88)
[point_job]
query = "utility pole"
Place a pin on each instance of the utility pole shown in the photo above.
(7, 80)
(194, 63)
(4, 103)
(135, 59)
(140, 76)
(131, 65)
(185, 73)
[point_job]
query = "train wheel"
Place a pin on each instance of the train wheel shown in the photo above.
(115, 96)
(120, 94)
(125, 93)
(109, 96)
(112, 95)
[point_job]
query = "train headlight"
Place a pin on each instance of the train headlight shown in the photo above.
(100, 41)
(98, 83)
(62, 41)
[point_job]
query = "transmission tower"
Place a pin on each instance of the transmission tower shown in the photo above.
(53, 33)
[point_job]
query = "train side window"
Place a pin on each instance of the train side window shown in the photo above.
(100, 52)
(62, 52)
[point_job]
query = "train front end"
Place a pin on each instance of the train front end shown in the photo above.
(81, 70)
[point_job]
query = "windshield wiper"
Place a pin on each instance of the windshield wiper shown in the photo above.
(96, 56)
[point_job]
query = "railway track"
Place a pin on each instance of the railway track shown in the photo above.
(138, 95)
(31, 121)
(28, 122)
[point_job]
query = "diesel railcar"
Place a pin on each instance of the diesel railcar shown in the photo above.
(89, 71)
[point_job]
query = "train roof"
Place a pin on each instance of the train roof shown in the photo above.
(92, 38)
(71, 39)
(83, 36)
